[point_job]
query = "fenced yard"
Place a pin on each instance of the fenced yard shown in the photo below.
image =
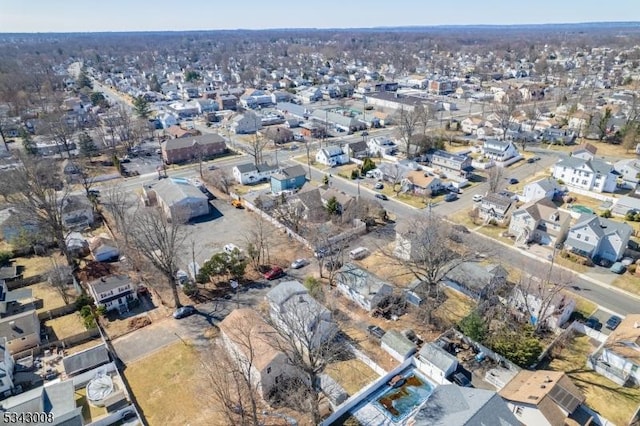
(65, 326)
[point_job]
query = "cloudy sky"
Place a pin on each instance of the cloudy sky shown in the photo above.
(145, 15)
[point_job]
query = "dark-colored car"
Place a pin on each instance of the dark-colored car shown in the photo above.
(376, 331)
(513, 181)
(273, 273)
(184, 312)
(382, 197)
(613, 322)
(593, 322)
(531, 160)
(450, 197)
(461, 380)
(379, 185)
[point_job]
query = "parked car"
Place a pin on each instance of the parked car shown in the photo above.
(613, 322)
(230, 248)
(299, 263)
(184, 311)
(379, 185)
(461, 380)
(477, 198)
(513, 181)
(451, 197)
(273, 273)
(382, 197)
(531, 160)
(618, 268)
(376, 331)
(593, 322)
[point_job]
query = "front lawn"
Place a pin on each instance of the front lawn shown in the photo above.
(614, 402)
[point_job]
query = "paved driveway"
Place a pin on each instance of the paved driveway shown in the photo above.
(146, 340)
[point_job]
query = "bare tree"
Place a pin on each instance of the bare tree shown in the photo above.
(256, 147)
(59, 277)
(159, 240)
(119, 204)
(504, 113)
(494, 179)
(220, 179)
(258, 239)
(428, 248)
(41, 196)
(60, 130)
(408, 124)
(310, 340)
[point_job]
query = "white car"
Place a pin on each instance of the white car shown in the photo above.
(299, 263)
(230, 248)
(477, 198)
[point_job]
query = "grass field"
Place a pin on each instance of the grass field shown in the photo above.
(352, 375)
(66, 325)
(35, 265)
(616, 403)
(628, 282)
(456, 307)
(50, 297)
(167, 384)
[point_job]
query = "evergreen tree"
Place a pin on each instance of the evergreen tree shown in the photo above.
(141, 107)
(28, 143)
(88, 147)
(84, 80)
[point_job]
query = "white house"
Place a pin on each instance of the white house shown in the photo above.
(451, 164)
(248, 339)
(496, 150)
(397, 345)
(381, 146)
(539, 221)
(495, 207)
(249, 173)
(598, 238)
(553, 309)
(6, 367)
(590, 175)
(77, 212)
(247, 123)
(298, 314)
(361, 286)
(470, 125)
(544, 188)
(179, 199)
(332, 156)
(436, 362)
(113, 292)
(542, 398)
(629, 170)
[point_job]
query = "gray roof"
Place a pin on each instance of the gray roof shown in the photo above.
(358, 146)
(360, 280)
(173, 191)
(285, 290)
(208, 139)
(596, 165)
(438, 356)
(86, 359)
(497, 200)
(266, 168)
(580, 245)
(56, 398)
(451, 405)
(75, 202)
(109, 283)
(246, 168)
(25, 324)
(474, 275)
(602, 226)
(398, 342)
(494, 145)
(291, 108)
(293, 171)
(546, 184)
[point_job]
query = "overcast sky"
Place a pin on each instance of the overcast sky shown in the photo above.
(145, 15)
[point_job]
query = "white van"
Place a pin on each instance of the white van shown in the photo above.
(359, 253)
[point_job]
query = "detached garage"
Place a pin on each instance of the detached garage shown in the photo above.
(178, 198)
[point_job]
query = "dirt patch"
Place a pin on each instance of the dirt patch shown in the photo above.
(388, 269)
(94, 270)
(118, 327)
(352, 375)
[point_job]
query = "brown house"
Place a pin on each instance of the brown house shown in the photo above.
(279, 134)
(193, 148)
(179, 132)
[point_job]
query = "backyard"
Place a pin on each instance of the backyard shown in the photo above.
(616, 403)
(50, 296)
(34, 265)
(352, 375)
(65, 326)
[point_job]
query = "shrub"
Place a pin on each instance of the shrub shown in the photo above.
(606, 214)
(560, 182)
(5, 257)
(632, 269)
(354, 174)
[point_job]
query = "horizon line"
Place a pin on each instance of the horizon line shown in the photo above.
(384, 27)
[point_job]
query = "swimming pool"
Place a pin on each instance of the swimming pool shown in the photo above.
(581, 209)
(398, 403)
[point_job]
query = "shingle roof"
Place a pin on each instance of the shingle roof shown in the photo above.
(25, 324)
(208, 139)
(173, 191)
(283, 291)
(246, 168)
(398, 342)
(109, 283)
(360, 280)
(86, 359)
(438, 356)
(294, 171)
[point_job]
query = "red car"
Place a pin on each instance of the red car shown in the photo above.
(273, 273)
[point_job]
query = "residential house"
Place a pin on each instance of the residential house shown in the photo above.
(451, 164)
(103, 248)
(477, 280)
(470, 125)
(421, 183)
(628, 203)
(590, 175)
(357, 150)
(495, 207)
(542, 397)
(113, 292)
(227, 101)
(539, 304)
(436, 362)
(361, 286)
(619, 358)
(167, 119)
(308, 206)
(279, 135)
(392, 172)
(77, 212)
(584, 151)
(56, 400)
(629, 170)
(193, 148)
(541, 222)
(288, 179)
(312, 130)
(450, 405)
(397, 345)
(179, 199)
(6, 367)
(499, 150)
(341, 122)
(72, 171)
(177, 132)
(85, 360)
(13, 224)
(21, 330)
(249, 173)
(249, 341)
(309, 94)
(332, 156)
(598, 238)
(379, 146)
(298, 315)
(77, 244)
(343, 200)
(15, 301)
(544, 188)
(247, 123)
